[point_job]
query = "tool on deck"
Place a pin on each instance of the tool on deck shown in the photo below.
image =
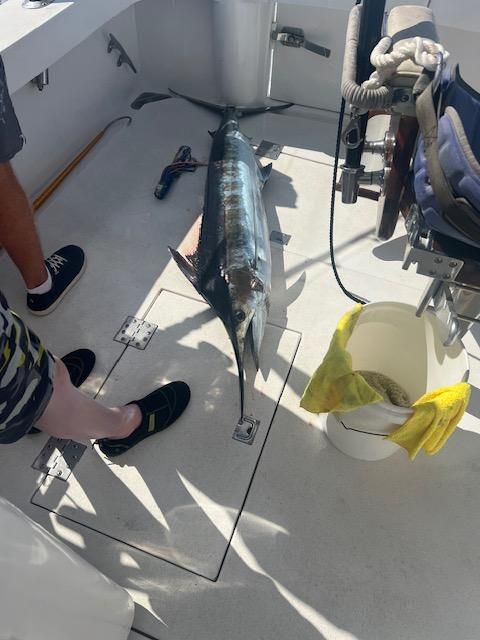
(182, 162)
(56, 182)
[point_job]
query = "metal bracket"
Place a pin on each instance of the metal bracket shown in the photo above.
(353, 127)
(279, 237)
(246, 430)
(432, 264)
(59, 457)
(123, 58)
(295, 37)
(36, 4)
(402, 96)
(372, 177)
(267, 149)
(135, 332)
(42, 80)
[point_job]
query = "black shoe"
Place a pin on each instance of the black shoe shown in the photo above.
(65, 267)
(79, 365)
(159, 410)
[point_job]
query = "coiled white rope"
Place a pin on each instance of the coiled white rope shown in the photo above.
(424, 52)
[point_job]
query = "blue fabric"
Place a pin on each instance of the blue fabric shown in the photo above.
(26, 376)
(464, 178)
(466, 102)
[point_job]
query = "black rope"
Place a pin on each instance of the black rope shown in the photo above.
(348, 293)
(182, 162)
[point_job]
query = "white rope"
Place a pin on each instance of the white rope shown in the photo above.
(422, 51)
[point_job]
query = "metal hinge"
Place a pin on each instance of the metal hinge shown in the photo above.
(295, 37)
(135, 332)
(59, 457)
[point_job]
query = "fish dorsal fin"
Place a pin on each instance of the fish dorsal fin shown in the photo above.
(266, 172)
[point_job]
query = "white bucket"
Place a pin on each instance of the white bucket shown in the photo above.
(390, 339)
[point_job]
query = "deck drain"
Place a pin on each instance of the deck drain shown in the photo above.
(135, 332)
(246, 430)
(267, 149)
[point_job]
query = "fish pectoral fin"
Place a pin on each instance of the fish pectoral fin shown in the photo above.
(185, 267)
(256, 332)
(266, 172)
(255, 352)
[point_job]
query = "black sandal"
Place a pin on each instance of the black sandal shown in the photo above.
(159, 410)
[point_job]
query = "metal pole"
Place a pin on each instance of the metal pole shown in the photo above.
(370, 33)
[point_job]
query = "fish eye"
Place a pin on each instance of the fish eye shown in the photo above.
(239, 316)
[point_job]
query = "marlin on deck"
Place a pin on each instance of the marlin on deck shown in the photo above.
(232, 265)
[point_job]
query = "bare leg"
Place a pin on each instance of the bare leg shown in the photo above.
(72, 415)
(17, 230)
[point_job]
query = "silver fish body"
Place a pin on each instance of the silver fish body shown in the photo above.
(232, 266)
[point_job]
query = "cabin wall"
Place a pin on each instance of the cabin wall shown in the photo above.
(310, 80)
(86, 91)
(172, 44)
(177, 46)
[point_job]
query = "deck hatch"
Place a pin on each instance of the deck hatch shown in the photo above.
(177, 495)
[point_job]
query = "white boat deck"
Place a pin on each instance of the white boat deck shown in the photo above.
(287, 538)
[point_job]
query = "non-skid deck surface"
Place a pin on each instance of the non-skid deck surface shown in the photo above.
(178, 495)
(325, 548)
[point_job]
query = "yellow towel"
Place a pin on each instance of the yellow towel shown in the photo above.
(435, 417)
(335, 386)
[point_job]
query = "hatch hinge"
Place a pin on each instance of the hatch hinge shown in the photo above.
(135, 332)
(59, 457)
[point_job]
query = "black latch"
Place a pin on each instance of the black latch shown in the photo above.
(295, 37)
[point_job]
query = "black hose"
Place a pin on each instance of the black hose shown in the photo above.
(348, 293)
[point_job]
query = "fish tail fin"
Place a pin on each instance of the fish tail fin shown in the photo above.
(245, 112)
(211, 106)
(185, 267)
(241, 112)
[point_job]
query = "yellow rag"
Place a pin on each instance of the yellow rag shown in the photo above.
(335, 386)
(435, 417)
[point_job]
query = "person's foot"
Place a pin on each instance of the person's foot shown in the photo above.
(65, 268)
(79, 365)
(159, 410)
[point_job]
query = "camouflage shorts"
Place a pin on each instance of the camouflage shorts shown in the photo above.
(26, 374)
